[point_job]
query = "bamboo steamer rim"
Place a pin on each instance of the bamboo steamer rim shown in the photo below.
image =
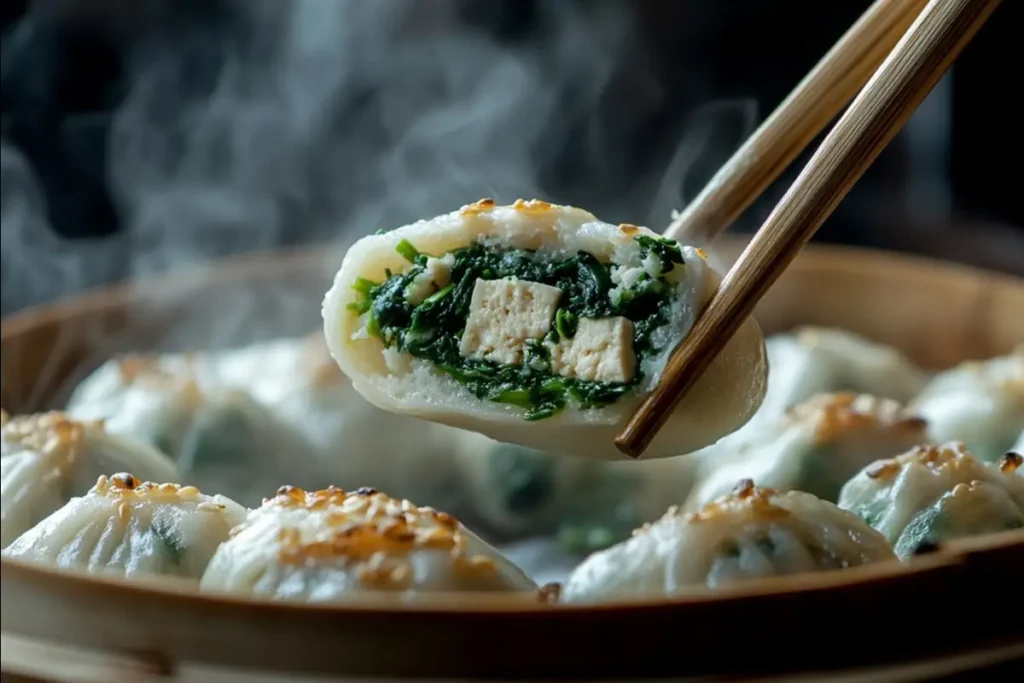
(949, 555)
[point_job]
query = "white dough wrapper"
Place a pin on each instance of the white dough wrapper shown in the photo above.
(242, 420)
(817, 360)
(978, 402)
(47, 458)
(751, 533)
(813, 360)
(218, 435)
(935, 493)
(815, 447)
(726, 396)
(125, 527)
(332, 545)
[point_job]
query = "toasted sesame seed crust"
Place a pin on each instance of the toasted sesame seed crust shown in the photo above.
(840, 413)
(52, 435)
(952, 456)
(374, 532)
(1011, 462)
(477, 207)
(128, 487)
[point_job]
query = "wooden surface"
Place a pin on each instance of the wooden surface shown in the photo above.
(909, 73)
(815, 102)
(876, 616)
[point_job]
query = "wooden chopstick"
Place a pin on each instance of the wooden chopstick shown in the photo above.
(873, 119)
(815, 101)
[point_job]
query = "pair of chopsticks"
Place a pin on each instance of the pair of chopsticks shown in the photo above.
(909, 62)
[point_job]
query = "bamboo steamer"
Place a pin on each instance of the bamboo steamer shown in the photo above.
(891, 622)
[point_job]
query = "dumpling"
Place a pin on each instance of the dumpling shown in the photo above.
(331, 545)
(625, 496)
(751, 533)
(356, 443)
(281, 409)
(534, 324)
(937, 493)
(513, 491)
(152, 398)
(817, 360)
(517, 491)
(47, 458)
(219, 435)
(815, 447)
(979, 403)
(128, 528)
(241, 447)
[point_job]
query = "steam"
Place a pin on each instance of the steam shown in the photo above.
(311, 121)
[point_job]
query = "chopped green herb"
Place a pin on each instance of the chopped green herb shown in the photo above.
(363, 286)
(440, 294)
(517, 397)
(668, 251)
(359, 307)
(432, 329)
(565, 323)
(407, 251)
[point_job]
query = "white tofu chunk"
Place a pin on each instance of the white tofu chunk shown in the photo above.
(601, 351)
(436, 274)
(503, 315)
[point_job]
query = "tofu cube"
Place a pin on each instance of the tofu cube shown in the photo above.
(601, 351)
(503, 315)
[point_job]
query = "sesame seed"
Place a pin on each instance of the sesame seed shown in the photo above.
(1011, 462)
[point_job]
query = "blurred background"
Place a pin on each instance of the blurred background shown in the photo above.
(144, 135)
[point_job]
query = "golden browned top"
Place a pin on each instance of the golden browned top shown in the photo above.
(531, 206)
(127, 486)
(53, 435)
(810, 336)
(147, 371)
(745, 497)
(477, 207)
(363, 524)
(628, 229)
(135, 367)
(838, 414)
(758, 503)
(1011, 462)
(963, 489)
(950, 456)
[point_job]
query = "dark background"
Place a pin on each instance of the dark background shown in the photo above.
(142, 135)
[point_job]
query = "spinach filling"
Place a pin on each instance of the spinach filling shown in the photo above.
(173, 543)
(525, 478)
(432, 329)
